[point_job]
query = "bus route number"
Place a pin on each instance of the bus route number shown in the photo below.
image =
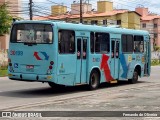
(18, 53)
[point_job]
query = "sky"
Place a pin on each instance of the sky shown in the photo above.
(43, 7)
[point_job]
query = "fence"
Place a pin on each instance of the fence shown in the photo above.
(3, 58)
(155, 55)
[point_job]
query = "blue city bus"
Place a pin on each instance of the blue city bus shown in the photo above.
(69, 54)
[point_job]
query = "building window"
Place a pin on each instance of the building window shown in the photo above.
(155, 35)
(85, 22)
(66, 41)
(118, 22)
(104, 22)
(155, 25)
(94, 22)
(144, 25)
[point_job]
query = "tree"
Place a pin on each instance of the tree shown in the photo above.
(5, 19)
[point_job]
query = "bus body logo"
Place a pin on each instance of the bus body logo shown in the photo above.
(15, 65)
(36, 55)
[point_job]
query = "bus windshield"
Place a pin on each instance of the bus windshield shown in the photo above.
(32, 33)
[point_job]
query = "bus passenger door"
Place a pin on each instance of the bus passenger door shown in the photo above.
(147, 58)
(115, 58)
(81, 60)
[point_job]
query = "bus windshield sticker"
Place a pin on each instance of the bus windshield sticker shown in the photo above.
(61, 70)
(143, 59)
(129, 58)
(96, 60)
(138, 58)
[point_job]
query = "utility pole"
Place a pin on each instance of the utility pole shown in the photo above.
(81, 18)
(30, 9)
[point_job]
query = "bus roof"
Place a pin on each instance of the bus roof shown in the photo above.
(84, 27)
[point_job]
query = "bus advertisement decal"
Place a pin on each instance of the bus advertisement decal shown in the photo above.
(105, 67)
(124, 65)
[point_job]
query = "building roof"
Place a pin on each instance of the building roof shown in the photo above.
(149, 17)
(85, 15)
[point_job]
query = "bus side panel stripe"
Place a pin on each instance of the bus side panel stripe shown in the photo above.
(124, 65)
(104, 65)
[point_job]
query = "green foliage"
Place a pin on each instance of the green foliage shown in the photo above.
(5, 19)
(155, 62)
(156, 48)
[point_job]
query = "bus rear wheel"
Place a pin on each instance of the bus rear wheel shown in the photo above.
(94, 80)
(134, 78)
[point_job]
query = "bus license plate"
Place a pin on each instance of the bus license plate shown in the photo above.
(30, 68)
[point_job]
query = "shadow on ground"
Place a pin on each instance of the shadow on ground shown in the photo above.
(50, 92)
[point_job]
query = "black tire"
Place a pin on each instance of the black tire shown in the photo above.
(134, 78)
(55, 86)
(94, 80)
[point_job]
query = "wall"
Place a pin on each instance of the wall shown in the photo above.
(124, 19)
(104, 6)
(133, 20)
(58, 10)
(75, 8)
(142, 11)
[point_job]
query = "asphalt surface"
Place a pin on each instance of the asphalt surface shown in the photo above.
(33, 96)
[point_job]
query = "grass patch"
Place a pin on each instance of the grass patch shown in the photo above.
(3, 73)
(155, 62)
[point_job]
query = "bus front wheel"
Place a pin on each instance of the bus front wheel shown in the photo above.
(134, 78)
(94, 80)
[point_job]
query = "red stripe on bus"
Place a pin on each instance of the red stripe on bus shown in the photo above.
(104, 65)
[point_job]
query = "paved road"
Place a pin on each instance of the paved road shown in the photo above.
(145, 95)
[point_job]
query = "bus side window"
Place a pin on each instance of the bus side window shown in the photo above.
(66, 41)
(127, 43)
(105, 43)
(92, 42)
(138, 44)
(97, 42)
(102, 42)
(72, 42)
